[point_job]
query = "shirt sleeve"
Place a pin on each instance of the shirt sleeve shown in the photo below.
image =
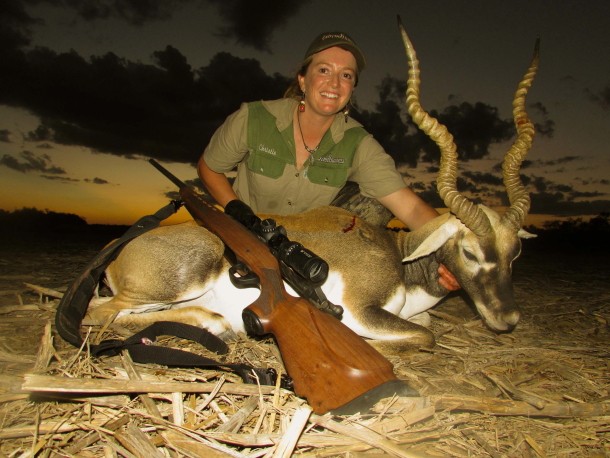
(229, 144)
(374, 170)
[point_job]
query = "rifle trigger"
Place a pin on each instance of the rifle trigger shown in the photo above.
(242, 277)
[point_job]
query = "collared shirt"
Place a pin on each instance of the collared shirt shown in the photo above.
(261, 145)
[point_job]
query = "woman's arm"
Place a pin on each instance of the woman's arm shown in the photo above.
(226, 149)
(409, 208)
(216, 183)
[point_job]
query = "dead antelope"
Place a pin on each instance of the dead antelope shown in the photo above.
(381, 278)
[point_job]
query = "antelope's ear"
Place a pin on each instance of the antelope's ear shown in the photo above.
(523, 234)
(435, 240)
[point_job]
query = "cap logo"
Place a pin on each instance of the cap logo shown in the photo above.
(339, 36)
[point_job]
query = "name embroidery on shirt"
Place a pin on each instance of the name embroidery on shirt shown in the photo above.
(266, 149)
(331, 160)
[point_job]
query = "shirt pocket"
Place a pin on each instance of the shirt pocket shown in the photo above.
(266, 165)
(333, 176)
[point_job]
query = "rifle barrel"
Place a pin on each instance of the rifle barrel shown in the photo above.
(168, 174)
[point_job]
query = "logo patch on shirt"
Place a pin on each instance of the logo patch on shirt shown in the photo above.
(266, 149)
(331, 160)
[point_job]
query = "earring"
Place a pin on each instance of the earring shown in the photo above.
(302, 103)
(346, 111)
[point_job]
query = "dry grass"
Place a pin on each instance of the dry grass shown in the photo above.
(542, 390)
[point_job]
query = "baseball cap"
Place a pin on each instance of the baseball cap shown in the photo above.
(329, 39)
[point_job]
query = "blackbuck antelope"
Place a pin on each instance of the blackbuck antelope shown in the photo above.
(382, 278)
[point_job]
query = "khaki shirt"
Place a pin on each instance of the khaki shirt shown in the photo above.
(292, 191)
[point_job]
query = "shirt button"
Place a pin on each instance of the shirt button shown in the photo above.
(289, 202)
(296, 174)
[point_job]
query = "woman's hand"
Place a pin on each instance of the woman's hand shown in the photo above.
(446, 279)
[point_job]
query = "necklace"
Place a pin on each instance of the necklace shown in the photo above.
(311, 151)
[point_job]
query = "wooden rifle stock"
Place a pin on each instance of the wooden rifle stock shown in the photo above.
(330, 365)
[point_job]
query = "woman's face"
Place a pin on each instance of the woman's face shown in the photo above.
(329, 81)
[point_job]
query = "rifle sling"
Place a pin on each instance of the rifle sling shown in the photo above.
(74, 303)
(141, 348)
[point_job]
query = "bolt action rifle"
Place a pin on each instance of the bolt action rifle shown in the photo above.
(330, 365)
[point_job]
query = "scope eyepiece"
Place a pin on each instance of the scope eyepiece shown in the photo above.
(303, 261)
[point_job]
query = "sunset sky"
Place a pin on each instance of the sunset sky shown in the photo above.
(91, 89)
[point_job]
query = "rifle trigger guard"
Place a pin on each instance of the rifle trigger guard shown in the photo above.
(242, 277)
(285, 381)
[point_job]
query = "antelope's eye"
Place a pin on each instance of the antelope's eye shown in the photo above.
(469, 255)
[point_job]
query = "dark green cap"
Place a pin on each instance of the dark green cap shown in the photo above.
(342, 40)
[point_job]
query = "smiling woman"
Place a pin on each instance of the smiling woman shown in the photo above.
(299, 152)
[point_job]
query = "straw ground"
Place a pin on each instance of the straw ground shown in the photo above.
(542, 390)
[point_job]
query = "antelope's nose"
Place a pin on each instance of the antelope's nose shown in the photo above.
(512, 318)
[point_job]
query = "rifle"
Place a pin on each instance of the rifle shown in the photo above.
(330, 365)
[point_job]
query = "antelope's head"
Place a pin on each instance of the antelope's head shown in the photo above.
(478, 245)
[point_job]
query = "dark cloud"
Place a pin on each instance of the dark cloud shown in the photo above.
(524, 165)
(43, 165)
(249, 23)
(554, 203)
(389, 125)
(601, 98)
(29, 162)
(40, 134)
(562, 160)
(547, 196)
(586, 195)
(60, 178)
(195, 184)
(164, 109)
(544, 127)
(135, 12)
(96, 180)
(475, 127)
(543, 164)
(15, 25)
(253, 23)
(483, 178)
(109, 104)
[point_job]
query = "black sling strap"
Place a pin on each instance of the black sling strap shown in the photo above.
(141, 348)
(73, 307)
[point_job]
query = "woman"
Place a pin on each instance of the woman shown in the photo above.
(292, 155)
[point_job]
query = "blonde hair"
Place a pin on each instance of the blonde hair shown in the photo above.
(293, 91)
